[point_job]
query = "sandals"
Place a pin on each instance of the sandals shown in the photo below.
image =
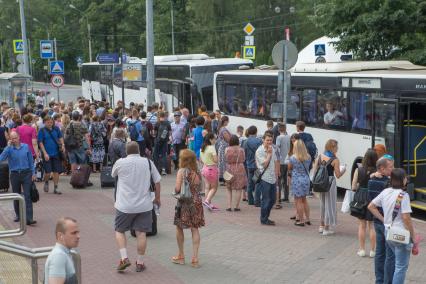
(278, 206)
(300, 224)
(178, 260)
(293, 218)
(195, 263)
(308, 223)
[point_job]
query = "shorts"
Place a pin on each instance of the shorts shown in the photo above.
(54, 165)
(140, 222)
(77, 156)
(210, 173)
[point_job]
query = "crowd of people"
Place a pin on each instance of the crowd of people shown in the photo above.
(263, 169)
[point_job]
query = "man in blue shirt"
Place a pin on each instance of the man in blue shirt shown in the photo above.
(178, 134)
(250, 146)
(51, 144)
(21, 167)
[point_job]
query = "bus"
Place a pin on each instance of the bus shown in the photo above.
(378, 103)
(179, 79)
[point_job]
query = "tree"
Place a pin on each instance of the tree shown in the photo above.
(375, 29)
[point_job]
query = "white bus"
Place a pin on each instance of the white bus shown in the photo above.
(179, 79)
(380, 102)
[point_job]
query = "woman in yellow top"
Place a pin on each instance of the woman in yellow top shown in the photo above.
(210, 172)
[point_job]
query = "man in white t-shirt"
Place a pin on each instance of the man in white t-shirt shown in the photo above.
(134, 202)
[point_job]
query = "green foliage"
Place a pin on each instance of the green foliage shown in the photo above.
(375, 29)
(372, 29)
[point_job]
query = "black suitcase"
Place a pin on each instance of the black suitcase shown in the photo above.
(80, 177)
(106, 179)
(4, 176)
(154, 226)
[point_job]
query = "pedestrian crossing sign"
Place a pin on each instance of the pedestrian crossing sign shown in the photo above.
(18, 46)
(57, 67)
(249, 52)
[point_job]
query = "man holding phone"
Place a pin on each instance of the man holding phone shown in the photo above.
(268, 164)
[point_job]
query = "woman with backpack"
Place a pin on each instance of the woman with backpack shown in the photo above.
(97, 132)
(329, 162)
(360, 185)
(298, 166)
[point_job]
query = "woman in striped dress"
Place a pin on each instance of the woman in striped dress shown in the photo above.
(223, 142)
(328, 199)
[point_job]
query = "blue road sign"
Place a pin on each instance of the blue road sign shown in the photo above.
(79, 59)
(107, 58)
(46, 49)
(57, 67)
(319, 49)
(18, 46)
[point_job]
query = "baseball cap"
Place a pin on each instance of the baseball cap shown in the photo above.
(177, 113)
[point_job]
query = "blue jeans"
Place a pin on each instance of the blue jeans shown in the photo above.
(160, 149)
(402, 258)
(384, 261)
(21, 184)
(250, 186)
(268, 191)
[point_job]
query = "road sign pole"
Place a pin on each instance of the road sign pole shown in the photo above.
(150, 76)
(24, 37)
(122, 81)
(285, 83)
(56, 49)
(58, 94)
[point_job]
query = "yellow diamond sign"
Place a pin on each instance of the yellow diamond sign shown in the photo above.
(249, 29)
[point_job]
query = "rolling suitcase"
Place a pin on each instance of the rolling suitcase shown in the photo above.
(80, 176)
(106, 179)
(4, 176)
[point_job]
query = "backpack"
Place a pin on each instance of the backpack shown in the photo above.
(321, 181)
(163, 132)
(310, 145)
(133, 131)
(145, 131)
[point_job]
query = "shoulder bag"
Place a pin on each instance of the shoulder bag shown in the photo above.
(185, 190)
(61, 154)
(397, 234)
(34, 195)
(257, 175)
(307, 173)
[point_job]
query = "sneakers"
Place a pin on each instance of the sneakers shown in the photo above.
(46, 187)
(214, 207)
(56, 191)
(208, 205)
(372, 253)
(124, 263)
(163, 172)
(320, 229)
(140, 267)
(327, 232)
(361, 253)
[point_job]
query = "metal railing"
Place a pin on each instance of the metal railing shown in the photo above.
(33, 254)
(415, 156)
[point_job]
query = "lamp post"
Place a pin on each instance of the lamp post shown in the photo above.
(24, 36)
(88, 29)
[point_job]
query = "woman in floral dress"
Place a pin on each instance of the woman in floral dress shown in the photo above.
(223, 142)
(235, 158)
(189, 214)
(97, 132)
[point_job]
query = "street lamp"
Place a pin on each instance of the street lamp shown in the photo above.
(173, 29)
(88, 29)
(45, 26)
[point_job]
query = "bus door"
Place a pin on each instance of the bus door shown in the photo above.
(413, 142)
(385, 126)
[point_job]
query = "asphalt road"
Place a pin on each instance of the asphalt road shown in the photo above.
(67, 93)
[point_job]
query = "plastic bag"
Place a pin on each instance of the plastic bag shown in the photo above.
(349, 197)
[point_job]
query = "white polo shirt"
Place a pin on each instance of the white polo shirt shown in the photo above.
(133, 194)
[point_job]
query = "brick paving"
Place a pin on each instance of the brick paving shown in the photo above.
(235, 248)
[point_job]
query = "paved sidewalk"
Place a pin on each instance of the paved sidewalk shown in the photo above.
(235, 248)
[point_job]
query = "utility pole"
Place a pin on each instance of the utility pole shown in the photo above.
(90, 40)
(150, 52)
(173, 26)
(24, 37)
(1, 57)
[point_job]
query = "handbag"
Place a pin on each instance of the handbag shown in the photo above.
(34, 195)
(227, 176)
(397, 234)
(307, 173)
(185, 193)
(349, 197)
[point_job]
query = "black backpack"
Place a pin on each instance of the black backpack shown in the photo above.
(321, 181)
(163, 132)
